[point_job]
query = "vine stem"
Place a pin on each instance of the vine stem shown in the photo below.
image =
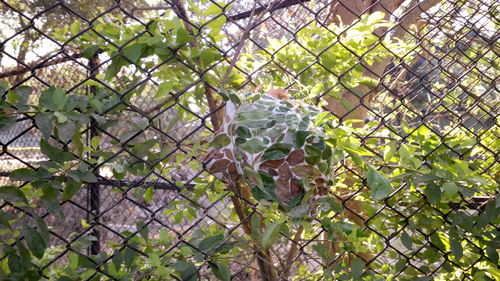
(292, 252)
(264, 260)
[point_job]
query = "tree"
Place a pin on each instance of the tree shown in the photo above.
(147, 110)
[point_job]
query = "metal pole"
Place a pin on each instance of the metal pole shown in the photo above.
(94, 188)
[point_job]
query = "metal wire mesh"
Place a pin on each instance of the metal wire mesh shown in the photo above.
(446, 81)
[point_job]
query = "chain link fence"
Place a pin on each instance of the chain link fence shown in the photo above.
(441, 84)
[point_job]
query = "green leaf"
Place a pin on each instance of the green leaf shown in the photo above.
(12, 194)
(66, 131)
(75, 27)
(43, 122)
(450, 190)
(313, 155)
(163, 89)
(183, 36)
(367, 81)
(50, 199)
(148, 195)
(253, 146)
(300, 138)
(129, 255)
(359, 151)
(12, 97)
(142, 149)
(4, 85)
(21, 97)
(154, 260)
(59, 98)
(86, 275)
(207, 56)
(220, 141)
(433, 193)
(187, 270)
(276, 151)
(95, 142)
(55, 153)
(255, 114)
(110, 30)
(437, 241)
(88, 176)
(35, 242)
(112, 71)
(42, 229)
(492, 253)
(14, 261)
(243, 132)
(321, 117)
(7, 121)
(216, 25)
(271, 233)
(255, 224)
(299, 211)
(24, 254)
(144, 230)
(380, 186)
(357, 268)
(61, 118)
(220, 271)
(253, 176)
(23, 174)
(406, 240)
(53, 99)
(404, 152)
(5, 218)
(456, 246)
(266, 187)
(211, 242)
(212, 9)
(71, 188)
(132, 53)
(90, 51)
(320, 249)
(389, 151)
(164, 52)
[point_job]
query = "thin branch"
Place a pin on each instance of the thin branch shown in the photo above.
(269, 8)
(154, 8)
(40, 64)
(251, 24)
(240, 45)
(415, 9)
(243, 15)
(486, 43)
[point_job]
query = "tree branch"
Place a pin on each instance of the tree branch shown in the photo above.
(39, 64)
(415, 9)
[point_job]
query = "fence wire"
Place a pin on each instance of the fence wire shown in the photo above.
(444, 81)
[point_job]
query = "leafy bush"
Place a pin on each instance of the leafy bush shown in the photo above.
(416, 193)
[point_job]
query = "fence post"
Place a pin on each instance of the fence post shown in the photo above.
(94, 188)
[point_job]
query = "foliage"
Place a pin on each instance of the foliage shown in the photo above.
(417, 190)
